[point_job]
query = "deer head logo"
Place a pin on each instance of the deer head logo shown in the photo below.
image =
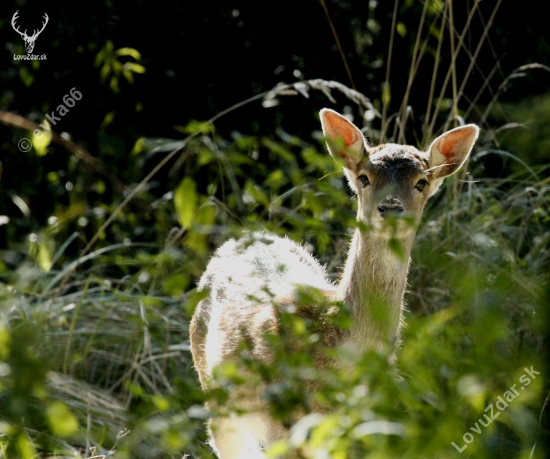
(29, 41)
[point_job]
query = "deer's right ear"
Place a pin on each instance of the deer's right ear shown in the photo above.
(344, 140)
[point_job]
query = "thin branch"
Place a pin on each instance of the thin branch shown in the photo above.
(518, 73)
(453, 60)
(478, 49)
(387, 81)
(448, 76)
(341, 52)
(11, 119)
(412, 73)
(482, 89)
(426, 137)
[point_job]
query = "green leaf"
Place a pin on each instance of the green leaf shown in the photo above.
(139, 146)
(25, 447)
(108, 119)
(44, 256)
(4, 340)
(401, 29)
(203, 220)
(386, 93)
(62, 422)
(129, 52)
(41, 142)
(196, 127)
(175, 284)
(136, 68)
(185, 200)
(104, 72)
(277, 449)
(161, 403)
(256, 193)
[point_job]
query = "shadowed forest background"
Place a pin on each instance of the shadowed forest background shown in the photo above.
(99, 261)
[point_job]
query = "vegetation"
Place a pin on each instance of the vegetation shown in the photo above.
(104, 237)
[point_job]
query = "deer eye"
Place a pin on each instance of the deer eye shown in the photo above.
(364, 180)
(421, 184)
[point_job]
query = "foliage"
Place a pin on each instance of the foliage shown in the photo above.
(477, 288)
(99, 262)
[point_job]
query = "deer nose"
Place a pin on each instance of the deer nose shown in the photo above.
(390, 205)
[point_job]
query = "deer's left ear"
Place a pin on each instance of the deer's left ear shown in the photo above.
(449, 151)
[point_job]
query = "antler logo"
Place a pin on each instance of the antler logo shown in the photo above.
(29, 41)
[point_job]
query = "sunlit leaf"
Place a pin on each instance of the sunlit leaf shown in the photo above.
(386, 93)
(129, 52)
(41, 142)
(61, 420)
(25, 448)
(185, 200)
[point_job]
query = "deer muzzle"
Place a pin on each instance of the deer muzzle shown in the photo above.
(390, 206)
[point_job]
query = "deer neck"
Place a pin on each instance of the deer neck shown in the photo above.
(373, 285)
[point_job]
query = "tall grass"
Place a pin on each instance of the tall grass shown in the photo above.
(94, 352)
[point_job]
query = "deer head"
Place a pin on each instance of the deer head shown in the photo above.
(394, 180)
(29, 41)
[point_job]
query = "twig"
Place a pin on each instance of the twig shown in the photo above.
(426, 137)
(387, 81)
(428, 132)
(454, 111)
(412, 73)
(518, 73)
(88, 424)
(11, 119)
(342, 53)
(476, 53)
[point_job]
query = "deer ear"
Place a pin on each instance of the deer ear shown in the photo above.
(345, 141)
(449, 151)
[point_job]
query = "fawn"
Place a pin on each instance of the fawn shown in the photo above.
(389, 180)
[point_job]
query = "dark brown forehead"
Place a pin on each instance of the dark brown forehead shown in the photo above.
(396, 162)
